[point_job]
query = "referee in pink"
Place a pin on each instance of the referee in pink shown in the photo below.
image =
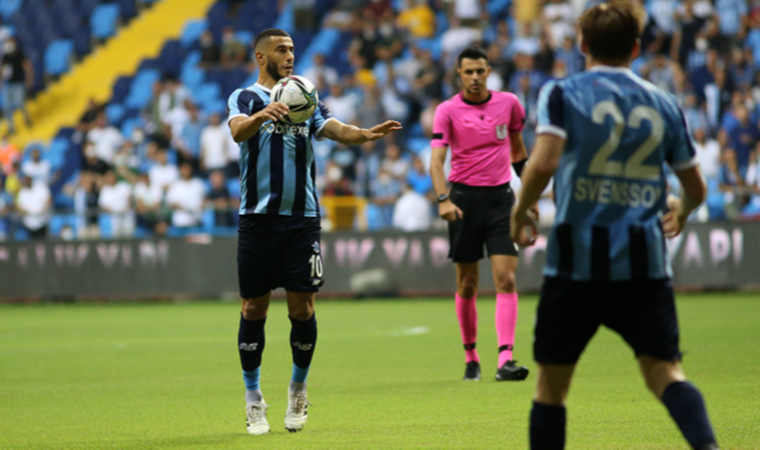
(483, 129)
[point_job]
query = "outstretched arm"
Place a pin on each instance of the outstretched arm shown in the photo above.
(351, 135)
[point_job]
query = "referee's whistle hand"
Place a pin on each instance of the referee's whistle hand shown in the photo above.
(449, 211)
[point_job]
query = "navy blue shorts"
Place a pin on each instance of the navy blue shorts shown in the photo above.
(643, 312)
(278, 251)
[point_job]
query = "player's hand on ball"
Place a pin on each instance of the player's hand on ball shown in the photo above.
(523, 229)
(449, 211)
(380, 131)
(674, 220)
(275, 111)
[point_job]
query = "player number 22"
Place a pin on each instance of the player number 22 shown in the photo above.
(316, 266)
(634, 167)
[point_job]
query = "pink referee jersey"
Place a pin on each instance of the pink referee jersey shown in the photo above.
(478, 135)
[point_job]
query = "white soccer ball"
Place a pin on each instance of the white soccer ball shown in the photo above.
(299, 94)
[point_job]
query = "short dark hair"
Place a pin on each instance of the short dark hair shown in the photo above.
(611, 29)
(472, 52)
(268, 33)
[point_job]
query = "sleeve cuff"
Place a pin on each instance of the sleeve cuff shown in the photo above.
(318, 134)
(551, 129)
(235, 115)
(688, 164)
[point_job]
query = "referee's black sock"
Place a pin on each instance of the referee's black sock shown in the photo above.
(303, 339)
(251, 340)
(547, 427)
(687, 407)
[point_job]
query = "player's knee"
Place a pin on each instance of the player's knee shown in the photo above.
(468, 287)
(302, 311)
(253, 310)
(505, 282)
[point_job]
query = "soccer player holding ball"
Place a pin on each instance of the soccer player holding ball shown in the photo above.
(605, 135)
(279, 233)
(483, 130)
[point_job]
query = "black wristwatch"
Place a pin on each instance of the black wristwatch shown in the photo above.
(442, 198)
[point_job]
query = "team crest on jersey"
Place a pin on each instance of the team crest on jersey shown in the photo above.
(315, 246)
(501, 132)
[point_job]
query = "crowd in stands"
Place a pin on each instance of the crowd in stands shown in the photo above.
(178, 172)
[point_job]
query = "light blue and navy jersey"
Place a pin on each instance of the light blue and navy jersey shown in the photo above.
(277, 168)
(610, 185)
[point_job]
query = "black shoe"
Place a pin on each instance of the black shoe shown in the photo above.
(472, 372)
(510, 371)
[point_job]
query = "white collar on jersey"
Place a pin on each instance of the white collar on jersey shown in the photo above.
(612, 69)
(265, 89)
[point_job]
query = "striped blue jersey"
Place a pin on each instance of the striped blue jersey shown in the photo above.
(610, 185)
(277, 168)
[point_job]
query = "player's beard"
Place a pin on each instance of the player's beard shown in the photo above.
(273, 71)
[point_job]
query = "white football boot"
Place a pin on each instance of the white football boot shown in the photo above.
(256, 416)
(295, 416)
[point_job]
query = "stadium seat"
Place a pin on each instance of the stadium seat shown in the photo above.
(142, 88)
(114, 113)
(128, 8)
(192, 32)
(104, 20)
(233, 186)
(104, 224)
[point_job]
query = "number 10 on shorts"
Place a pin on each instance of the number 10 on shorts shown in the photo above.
(316, 266)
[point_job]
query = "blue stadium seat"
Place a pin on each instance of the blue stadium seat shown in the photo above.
(115, 113)
(121, 89)
(170, 59)
(142, 88)
(206, 94)
(416, 145)
(192, 32)
(104, 20)
(128, 8)
(209, 220)
(58, 56)
(104, 224)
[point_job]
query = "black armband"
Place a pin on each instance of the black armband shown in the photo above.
(519, 166)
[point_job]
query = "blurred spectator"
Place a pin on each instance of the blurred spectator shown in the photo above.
(419, 179)
(573, 60)
(688, 26)
(696, 119)
(663, 12)
(525, 68)
(544, 59)
(17, 76)
(210, 54)
(469, 11)
(718, 96)
(456, 39)
(90, 115)
(528, 97)
(418, 19)
(742, 70)
(393, 163)
(9, 154)
(171, 93)
(85, 195)
(732, 23)
(367, 168)
(428, 83)
(412, 211)
(189, 140)
(363, 47)
(126, 164)
(342, 106)
(185, 197)
(371, 112)
(214, 144)
(557, 18)
(233, 52)
(37, 169)
(163, 174)
(105, 139)
(743, 139)
(175, 121)
(6, 202)
(92, 163)
(148, 198)
(663, 73)
(377, 9)
(220, 200)
(390, 40)
(34, 204)
(320, 74)
(526, 43)
(114, 200)
(708, 151)
(730, 182)
(384, 191)
(337, 183)
(752, 209)
(13, 179)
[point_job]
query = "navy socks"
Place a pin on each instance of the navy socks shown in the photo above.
(251, 340)
(547, 427)
(303, 339)
(687, 407)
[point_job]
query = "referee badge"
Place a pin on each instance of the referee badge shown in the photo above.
(501, 132)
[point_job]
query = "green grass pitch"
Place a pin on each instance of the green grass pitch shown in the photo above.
(386, 374)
